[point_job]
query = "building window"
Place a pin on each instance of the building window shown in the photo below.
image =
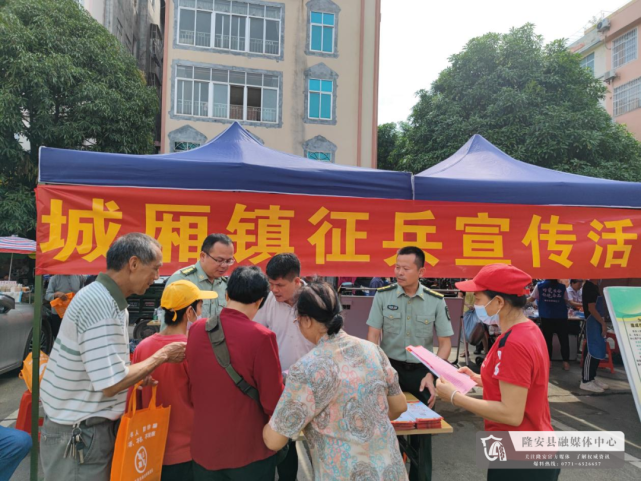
(323, 156)
(627, 97)
(624, 49)
(185, 146)
(588, 62)
(226, 94)
(227, 25)
(320, 99)
(322, 32)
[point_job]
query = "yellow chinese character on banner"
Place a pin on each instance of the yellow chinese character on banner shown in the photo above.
(184, 226)
(349, 241)
(95, 226)
(482, 240)
(534, 237)
(56, 220)
(618, 248)
(417, 233)
(260, 234)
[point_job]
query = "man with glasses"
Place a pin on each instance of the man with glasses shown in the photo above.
(216, 257)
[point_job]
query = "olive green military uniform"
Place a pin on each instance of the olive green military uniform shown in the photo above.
(196, 275)
(411, 321)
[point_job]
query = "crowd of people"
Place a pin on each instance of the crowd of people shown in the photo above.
(253, 363)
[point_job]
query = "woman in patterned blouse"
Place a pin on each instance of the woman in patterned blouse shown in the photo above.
(342, 395)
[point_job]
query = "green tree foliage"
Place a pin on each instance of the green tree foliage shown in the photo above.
(533, 101)
(388, 136)
(65, 82)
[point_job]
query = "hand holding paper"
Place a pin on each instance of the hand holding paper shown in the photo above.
(439, 367)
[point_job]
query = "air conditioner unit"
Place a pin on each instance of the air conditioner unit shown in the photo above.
(609, 76)
(603, 25)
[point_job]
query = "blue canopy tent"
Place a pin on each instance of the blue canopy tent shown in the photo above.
(481, 172)
(233, 161)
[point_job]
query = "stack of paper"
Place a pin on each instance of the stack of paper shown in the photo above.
(441, 368)
(417, 416)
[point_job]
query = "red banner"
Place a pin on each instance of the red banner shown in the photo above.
(336, 236)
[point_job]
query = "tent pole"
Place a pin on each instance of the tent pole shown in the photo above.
(35, 382)
(10, 265)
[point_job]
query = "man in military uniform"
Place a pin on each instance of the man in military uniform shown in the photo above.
(406, 314)
(216, 257)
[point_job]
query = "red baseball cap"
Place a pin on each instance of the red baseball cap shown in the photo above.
(498, 278)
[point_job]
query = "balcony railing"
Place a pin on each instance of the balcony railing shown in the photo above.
(186, 37)
(203, 39)
(187, 107)
(221, 41)
(236, 112)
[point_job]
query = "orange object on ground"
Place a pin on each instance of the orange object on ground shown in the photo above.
(61, 306)
(23, 423)
(140, 444)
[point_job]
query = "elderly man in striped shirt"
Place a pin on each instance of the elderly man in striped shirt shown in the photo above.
(84, 388)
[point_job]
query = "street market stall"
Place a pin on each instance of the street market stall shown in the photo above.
(339, 220)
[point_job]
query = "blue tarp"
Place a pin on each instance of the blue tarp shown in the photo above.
(233, 161)
(481, 172)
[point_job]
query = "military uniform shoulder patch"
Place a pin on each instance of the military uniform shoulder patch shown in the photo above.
(187, 271)
(225, 279)
(386, 288)
(433, 293)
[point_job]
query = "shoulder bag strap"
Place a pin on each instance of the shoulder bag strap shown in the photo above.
(217, 339)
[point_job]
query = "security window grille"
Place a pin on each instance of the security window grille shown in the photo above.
(320, 99)
(324, 156)
(627, 97)
(227, 25)
(184, 146)
(118, 30)
(322, 32)
(624, 49)
(225, 94)
(588, 62)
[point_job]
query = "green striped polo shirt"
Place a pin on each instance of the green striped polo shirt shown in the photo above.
(90, 354)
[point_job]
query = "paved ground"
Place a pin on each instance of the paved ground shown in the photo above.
(454, 457)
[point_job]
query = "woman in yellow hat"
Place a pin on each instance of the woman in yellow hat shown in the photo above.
(181, 305)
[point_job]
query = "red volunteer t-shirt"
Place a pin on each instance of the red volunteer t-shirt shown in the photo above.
(228, 424)
(520, 357)
(172, 390)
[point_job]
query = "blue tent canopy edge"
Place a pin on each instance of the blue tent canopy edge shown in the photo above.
(232, 161)
(481, 172)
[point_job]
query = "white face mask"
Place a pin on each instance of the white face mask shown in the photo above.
(485, 318)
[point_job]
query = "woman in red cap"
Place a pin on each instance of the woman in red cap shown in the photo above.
(515, 373)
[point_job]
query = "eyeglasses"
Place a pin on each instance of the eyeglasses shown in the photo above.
(228, 262)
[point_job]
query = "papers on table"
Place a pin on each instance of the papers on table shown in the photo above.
(441, 368)
(417, 416)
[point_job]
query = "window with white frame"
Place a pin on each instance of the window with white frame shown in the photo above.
(320, 99)
(230, 25)
(627, 97)
(588, 62)
(624, 49)
(322, 32)
(185, 146)
(226, 94)
(323, 156)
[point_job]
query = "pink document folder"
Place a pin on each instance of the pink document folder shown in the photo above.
(442, 368)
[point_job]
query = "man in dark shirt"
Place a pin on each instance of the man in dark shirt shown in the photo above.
(595, 349)
(227, 441)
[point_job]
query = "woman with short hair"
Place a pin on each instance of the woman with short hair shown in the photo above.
(342, 394)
